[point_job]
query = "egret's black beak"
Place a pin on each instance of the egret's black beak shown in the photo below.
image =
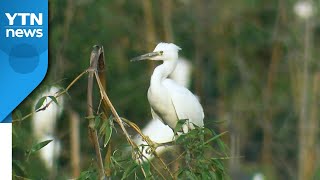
(146, 56)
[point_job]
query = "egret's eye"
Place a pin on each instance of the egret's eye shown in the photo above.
(161, 52)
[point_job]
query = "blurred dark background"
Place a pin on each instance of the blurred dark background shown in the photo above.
(255, 64)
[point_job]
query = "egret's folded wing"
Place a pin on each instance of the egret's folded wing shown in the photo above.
(156, 116)
(185, 103)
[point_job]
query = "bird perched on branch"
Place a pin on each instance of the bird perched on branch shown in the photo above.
(155, 129)
(169, 101)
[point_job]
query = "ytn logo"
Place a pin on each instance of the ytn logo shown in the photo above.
(24, 25)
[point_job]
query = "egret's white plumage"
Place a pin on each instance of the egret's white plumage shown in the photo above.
(155, 129)
(157, 132)
(258, 176)
(182, 73)
(44, 124)
(304, 9)
(170, 101)
(50, 152)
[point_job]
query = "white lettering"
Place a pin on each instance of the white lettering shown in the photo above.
(29, 32)
(11, 18)
(19, 33)
(39, 33)
(23, 18)
(33, 18)
(8, 31)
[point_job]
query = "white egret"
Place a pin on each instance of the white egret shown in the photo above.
(169, 101)
(44, 124)
(50, 152)
(155, 129)
(304, 9)
(258, 176)
(182, 72)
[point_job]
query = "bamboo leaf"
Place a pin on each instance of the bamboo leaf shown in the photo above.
(40, 103)
(97, 120)
(54, 99)
(108, 133)
(215, 137)
(129, 171)
(39, 146)
(147, 170)
(86, 175)
(179, 125)
(18, 167)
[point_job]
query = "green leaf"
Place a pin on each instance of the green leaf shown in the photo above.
(87, 175)
(106, 130)
(179, 125)
(190, 175)
(221, 145)
(147, 170)
(84, 175)
(213, 175)
(90, 117)
(102, 128)
(37, 147)
(129, 171)
(180, 172)
(18, 168)
(207, 132)
(215, 137)
(19, 177)
(182, 138)
(218, 165)
(40, 102)
(97, 120)
(108, 133)
(205, 175)
(54, 99)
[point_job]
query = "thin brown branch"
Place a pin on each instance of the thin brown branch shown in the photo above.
(48, 104)
(92, 130)
(151, 144)
(108, 103)
(119, 120)
(103, 79)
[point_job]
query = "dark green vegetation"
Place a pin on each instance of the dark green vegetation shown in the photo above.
(256, 71)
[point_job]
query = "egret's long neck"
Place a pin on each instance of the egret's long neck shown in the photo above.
(162, 71)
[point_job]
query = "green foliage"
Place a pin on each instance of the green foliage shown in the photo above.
(106, 130)
(54, 99)
(18, 114)
(88, 175)
(42, 100)
(202, 158)
(129, 170)
(38, 146)
(239, 58)
(179, 125)
(40, 103)
(18, 168)
(26, 163)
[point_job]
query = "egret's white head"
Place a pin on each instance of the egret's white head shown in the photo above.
(163, 51)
